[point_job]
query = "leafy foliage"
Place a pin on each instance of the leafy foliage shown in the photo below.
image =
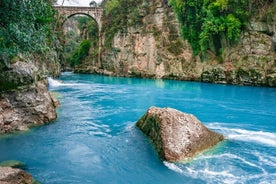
(208, 20)
(111, 6)
(80, 53)
(81, 29)
(26, 27)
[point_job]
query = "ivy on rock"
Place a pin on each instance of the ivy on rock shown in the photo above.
(207, 24)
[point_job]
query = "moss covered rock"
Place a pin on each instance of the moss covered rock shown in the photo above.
(12, 163)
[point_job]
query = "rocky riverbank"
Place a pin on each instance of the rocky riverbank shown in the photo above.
(24, 99)
(11, 173)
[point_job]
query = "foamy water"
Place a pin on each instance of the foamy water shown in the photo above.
(95, 140)
(216, 166)
(257, 137)
(56, 83)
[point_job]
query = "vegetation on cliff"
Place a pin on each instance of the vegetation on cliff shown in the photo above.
(26, 27)
(119, 15)
(209, 23)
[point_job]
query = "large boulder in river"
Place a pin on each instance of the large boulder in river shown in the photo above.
(10, 175)
(176, 135)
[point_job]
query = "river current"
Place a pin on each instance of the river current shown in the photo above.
(95, 140)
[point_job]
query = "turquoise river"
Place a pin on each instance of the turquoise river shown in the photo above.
(95, 140)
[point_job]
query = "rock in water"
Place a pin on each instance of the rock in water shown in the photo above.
(10, 175)
(176, 135)
(12, 163)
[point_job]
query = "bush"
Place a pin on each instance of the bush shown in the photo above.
(80, 53)
(25, 27)
(206, 21)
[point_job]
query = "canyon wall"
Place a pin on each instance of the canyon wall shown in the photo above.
(155, 49)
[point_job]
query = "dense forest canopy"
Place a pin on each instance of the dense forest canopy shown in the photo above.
(26, 26)
(205, 21)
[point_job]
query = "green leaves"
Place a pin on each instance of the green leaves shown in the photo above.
(79, 55)
(233, 26)
(111, 5)
(203, 22)
(26, 27)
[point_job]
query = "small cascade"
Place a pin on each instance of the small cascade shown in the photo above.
(54, 83)
(57, 83)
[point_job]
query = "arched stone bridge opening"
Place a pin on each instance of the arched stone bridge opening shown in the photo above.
(65, 12)
(93, 12)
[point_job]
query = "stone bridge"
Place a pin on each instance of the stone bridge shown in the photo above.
(93, 12)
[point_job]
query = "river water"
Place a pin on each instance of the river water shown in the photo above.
(94, 139)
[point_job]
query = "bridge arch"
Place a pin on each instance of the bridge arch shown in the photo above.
(93, 12)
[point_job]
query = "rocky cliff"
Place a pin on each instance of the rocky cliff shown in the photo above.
(24, 99)
(154, 48)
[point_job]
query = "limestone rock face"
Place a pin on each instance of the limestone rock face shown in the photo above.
(24, 99)
(23, 72)
(176, 135)
(155, 49)
(25, 108)
(10, 175)
(19, 74)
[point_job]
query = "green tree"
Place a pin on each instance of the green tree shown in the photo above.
(80, 28)
(80, 53)
(25, 27)
(206, 21)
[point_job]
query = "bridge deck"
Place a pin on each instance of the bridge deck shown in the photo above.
(78, 7)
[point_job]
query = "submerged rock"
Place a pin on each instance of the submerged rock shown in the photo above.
(176, 135)
(10, 175)
(12, 163)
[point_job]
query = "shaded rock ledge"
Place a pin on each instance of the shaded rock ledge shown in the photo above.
(10, 175)
(26, 108)
(24, 99)
(176, 135)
